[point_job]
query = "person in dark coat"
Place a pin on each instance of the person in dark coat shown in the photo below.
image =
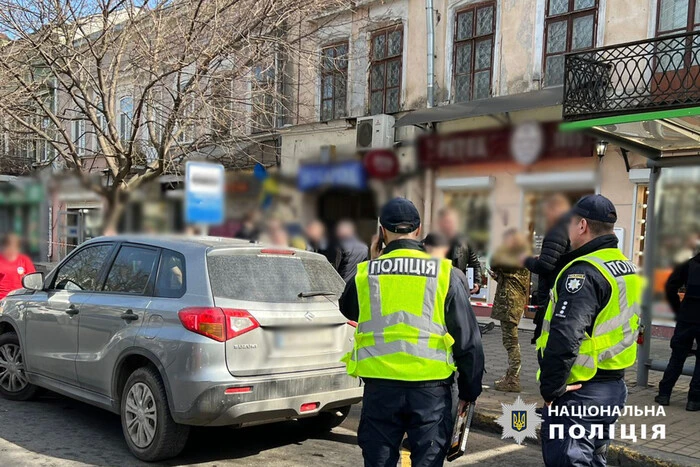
(461, 253)
(548, 264)
(317, 240)
(686, 305)
(351, 251)
(249, 227)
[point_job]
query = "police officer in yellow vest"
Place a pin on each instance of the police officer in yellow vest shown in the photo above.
(415, 327)
(588, 339)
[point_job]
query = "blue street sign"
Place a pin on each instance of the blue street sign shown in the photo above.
(204, 193)
(349, 174)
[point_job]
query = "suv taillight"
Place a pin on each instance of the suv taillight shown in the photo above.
(220, 324)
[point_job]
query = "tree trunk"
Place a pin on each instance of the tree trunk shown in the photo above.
(114, 209)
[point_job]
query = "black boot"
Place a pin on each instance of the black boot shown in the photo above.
(692, 406)
(662, 399)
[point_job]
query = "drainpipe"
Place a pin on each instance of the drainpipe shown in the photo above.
(430, 94)
(430, 33)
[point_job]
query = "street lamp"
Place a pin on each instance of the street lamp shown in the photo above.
(600, 148)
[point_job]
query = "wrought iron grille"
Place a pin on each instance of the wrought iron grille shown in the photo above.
(653, 74)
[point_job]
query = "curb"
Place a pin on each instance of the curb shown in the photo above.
(617, 454)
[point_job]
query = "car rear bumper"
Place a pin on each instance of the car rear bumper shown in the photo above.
(271, 400)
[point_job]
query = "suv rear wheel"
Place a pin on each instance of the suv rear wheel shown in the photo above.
(326, 421)
(13, 380)
(149, 429)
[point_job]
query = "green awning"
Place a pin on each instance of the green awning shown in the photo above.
(668, 130)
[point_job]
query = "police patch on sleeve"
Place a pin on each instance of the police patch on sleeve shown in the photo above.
(574, 282)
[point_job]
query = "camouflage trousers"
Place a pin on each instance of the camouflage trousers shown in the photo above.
(510, 342)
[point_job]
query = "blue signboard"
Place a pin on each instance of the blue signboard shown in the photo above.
(204, 193)
(350, 174)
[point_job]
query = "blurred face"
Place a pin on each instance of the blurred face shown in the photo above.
(447, 224)
(509, 241)
(278, 237)
(12, 246)
(437, 251)
(315, 231)
(345, 230)
(578, 232)
(554, 210)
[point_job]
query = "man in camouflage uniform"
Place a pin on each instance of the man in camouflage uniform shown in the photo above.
(510, 302)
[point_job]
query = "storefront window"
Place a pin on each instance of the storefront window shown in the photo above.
(678, 216)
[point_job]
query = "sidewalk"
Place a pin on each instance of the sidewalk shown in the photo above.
(681, 446)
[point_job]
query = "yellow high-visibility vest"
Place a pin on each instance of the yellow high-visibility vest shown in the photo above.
(612, 345)
(401, 332)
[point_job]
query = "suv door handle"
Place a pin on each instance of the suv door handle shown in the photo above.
(72, 310)
(129, 316)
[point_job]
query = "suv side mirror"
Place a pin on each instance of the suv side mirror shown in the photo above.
(33, 281)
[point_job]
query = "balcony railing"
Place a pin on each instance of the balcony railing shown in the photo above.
(643, 76)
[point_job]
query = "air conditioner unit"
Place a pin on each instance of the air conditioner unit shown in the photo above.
(375, 132)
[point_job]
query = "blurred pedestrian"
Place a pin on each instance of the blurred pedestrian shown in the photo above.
(548, 264)
(13, 264)
(317, 240)
(275, 234)
(461, 253)
(689, 249)
(351, 250)
(249, 226)
(683, 294)
(401, 293)
(513, 285)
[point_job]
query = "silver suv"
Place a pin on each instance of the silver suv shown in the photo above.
(170, 332)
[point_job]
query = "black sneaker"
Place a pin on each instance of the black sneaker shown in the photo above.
(692, 406)
(662, 400)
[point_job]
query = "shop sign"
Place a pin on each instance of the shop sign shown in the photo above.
(350, 174)
(204, 193)
(524, 144)
(381, 164)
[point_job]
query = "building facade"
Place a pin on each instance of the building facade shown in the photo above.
(497, 64)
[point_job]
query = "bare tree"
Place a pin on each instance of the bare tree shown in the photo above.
(131, 88)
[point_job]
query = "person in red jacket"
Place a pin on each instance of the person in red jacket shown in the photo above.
(13, 265)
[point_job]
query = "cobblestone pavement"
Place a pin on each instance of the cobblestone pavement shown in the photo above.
(58, 432)
(682, 443)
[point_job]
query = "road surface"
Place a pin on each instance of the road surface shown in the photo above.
(59, 432)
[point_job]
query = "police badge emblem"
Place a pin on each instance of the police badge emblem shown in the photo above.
(574, 282)
(519, 421)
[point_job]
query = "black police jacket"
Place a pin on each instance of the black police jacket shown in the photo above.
(461, 324)
(582, 305)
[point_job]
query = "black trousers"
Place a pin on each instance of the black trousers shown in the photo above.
(681, 345)
(591, 450)
(389, 412)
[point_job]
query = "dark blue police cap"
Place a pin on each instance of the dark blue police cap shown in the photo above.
(399, 216)
(596, 208)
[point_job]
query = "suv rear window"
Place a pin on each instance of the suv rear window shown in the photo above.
(268, 278)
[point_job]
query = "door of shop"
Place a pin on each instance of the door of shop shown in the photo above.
(357, 206)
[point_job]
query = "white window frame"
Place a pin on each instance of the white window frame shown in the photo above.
(122, 116)
(79, 136)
